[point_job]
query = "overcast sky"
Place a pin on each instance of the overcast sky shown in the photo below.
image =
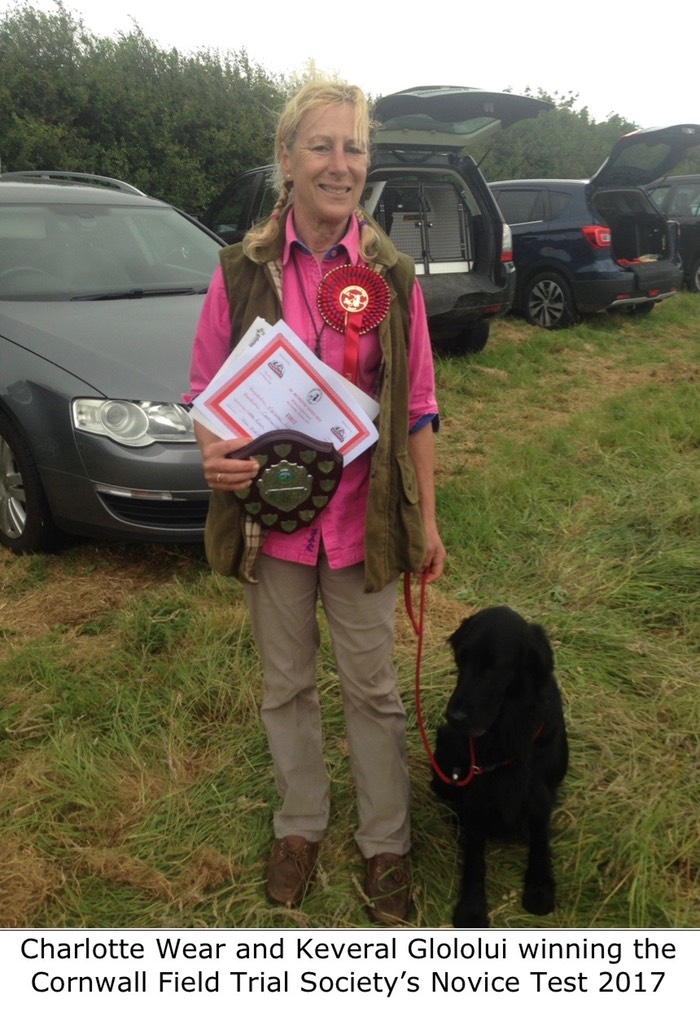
(615, 58)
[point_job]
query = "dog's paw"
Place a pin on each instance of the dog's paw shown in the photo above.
(539, 899)
(467, 916)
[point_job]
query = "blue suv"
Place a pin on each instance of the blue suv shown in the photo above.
(582, 246)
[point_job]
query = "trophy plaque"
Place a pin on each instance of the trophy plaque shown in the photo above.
(298, 477)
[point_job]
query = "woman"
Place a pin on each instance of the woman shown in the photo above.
(380, 523)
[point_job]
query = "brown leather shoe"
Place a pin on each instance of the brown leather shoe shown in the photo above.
(290, 869)
(388, 887)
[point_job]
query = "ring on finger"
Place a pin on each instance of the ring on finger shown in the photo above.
(218, 477)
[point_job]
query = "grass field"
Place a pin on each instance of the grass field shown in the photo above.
(136, 787)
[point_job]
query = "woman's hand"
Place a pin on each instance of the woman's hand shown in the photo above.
(221, 471)
(435, 553)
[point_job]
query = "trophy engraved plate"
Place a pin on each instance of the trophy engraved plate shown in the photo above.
(285, 486)
(298, 477)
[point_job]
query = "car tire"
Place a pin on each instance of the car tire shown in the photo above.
(25, 519)
(455, 340)
(694, 279)
(468, 341)
(474, 338)
(548, 303)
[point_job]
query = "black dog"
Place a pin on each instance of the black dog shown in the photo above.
(502, 752)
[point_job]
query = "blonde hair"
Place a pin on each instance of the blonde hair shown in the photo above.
(311, 96)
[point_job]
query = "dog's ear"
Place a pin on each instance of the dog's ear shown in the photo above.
(458, 634)
(539, 657)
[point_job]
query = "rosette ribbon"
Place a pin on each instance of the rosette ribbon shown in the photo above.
(353, 299)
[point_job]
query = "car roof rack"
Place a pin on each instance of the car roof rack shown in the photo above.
(61, 176)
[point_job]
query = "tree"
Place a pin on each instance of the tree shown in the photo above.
(559, 144)
(180, 126)
(176, 126)
(40, 62)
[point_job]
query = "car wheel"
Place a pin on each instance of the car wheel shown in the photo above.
(466, 342)
(548, 302)
(694, 279)
(474, 338)
(25, 519)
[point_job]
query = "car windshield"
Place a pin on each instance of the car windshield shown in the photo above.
(98, 251)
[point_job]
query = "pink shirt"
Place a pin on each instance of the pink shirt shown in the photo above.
(340, 527)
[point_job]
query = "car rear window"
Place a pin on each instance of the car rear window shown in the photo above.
(558, 203)
(531, 204)
(686, 200)
(518, 206)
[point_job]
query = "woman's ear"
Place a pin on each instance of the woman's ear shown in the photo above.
(284, 160)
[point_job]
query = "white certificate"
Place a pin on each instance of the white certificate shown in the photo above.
(277, 383)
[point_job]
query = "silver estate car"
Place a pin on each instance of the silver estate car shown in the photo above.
(100, 292)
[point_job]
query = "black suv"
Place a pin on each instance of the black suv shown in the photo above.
(581, 246)
(679, 198)
(430, 198)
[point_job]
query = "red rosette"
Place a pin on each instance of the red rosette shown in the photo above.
(353, 290)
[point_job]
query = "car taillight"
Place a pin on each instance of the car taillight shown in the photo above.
(506, 245)
(597, 236)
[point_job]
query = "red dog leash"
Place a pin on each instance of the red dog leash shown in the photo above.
(418, 626)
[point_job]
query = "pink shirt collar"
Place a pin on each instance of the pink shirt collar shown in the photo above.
(350, 242)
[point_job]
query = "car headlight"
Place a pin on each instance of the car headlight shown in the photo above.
(133, 423)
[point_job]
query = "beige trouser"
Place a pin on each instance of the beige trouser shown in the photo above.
(282, 608)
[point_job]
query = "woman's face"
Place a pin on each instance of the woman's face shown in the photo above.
(328, 166)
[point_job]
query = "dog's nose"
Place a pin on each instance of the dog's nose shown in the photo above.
(464, 725)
